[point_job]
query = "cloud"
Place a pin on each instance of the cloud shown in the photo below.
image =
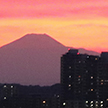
(51, 8)
(90, 25)
(76, 33)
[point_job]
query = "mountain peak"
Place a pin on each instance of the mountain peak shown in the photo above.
(34, 34)
(34, 40)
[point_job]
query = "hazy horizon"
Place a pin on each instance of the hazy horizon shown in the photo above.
(52, 38)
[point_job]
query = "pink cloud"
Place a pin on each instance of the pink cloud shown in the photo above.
(51, 8)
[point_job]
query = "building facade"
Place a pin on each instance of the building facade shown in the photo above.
(84, 80)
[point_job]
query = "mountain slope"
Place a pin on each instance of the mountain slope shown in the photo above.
(32, 59)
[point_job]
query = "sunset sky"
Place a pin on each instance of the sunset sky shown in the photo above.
(75, 23)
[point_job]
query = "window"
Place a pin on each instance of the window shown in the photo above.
(69, 67)
(101, 102)
(44, 102)
(11, 86)
(96, 105)
(96, 101)
(79, 76)
(91, 101)
(79, 79)
(101, 83)
(64, 104)
(101, 105)
(91, 89)
(5, 86)
(96, 58)
(70, 76)
(87, 56)
(101, 80)
(91, 77)
(69, 85)
(86, 101)
(4, 97)
(91, 105)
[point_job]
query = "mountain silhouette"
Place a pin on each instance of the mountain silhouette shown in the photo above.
(33, 59)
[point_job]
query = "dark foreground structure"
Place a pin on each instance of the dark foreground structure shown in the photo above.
(84, 80)
(19, 96)
(84, 84)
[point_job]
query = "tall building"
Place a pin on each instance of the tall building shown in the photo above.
(84, 80)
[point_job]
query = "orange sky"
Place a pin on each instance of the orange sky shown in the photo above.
(75, 23)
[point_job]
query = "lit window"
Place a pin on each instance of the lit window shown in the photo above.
(5, 86)
(86, 101)
(64, 104)
(91, 89)
(79, 79)
(69, 85)
(95, 58)
(107, 99)
(101, 102)
(69, 76)
(58, 96)
(4, 97)
(96, 101)
(96, 104)
(101, 83)
(91, 77)
(69, 67)
(91, 104)
(79, 76)
(101, 80)
(44, 102)
(11, 86)
(101, 105)
(87, 56)
(91, 101)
